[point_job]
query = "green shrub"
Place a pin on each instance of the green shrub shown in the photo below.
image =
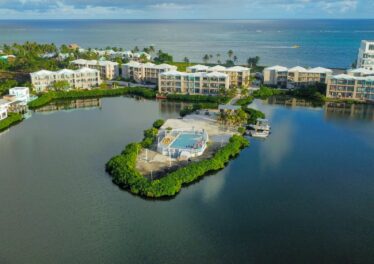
(241, 130)
(11, 120)
(158, 123)
(265, 92)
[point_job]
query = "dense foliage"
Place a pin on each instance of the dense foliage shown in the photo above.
(123, 170)
(158, 123)
(253, 115)
(265, 92)
(6, 85)
(11, 120)
(50, 96)
(198, 98)
(163, 57)
(245, 101)
(314, 94)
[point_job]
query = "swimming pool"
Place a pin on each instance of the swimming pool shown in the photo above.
(188, 141)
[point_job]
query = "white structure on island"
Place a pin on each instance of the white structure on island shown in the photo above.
(20, 93)
(145, 72)
(238, 75)
(84, 78)
(365, 57)
(4, 104)
(109, 70)
(193, 83)
(181, 143)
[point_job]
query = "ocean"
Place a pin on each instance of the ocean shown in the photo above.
(327, 43)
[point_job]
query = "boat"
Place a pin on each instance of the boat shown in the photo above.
(161, 96)
(295, 46)
(258, 133)
(262, 124)
(261, 129)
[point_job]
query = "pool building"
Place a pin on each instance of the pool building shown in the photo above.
(184, 144)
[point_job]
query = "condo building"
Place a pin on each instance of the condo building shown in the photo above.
(296, 77)
(145, 72)
(238, 75)
(346, 86)
(109, 70)
(20, 94)
(365, 57)
(275, 76)
(360, 72)
(193, 83)
(84, 78)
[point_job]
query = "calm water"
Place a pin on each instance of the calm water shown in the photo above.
(329, 43)
(305, 195)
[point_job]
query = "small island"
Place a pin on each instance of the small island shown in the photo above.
(175, 153)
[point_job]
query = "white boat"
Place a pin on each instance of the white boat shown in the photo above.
(259, 133)
(261, 129)
(262, 124)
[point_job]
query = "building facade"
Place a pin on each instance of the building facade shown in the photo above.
(296, 77)
(238, 75)
(145, 72)
(365, 57)
(275, 76)
(193, 83)
(346, 86)
(360, 72)
(109, 70)
(84, 78)
(20, 93)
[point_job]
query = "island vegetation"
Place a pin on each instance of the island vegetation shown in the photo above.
(11, 120)
(123, 167)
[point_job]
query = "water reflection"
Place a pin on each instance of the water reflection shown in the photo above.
(71, 105)
(349, 111)
(332, 110)
(169, 107)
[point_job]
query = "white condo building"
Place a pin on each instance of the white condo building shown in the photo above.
(193, 83)
(145, 72)
(365, 57)
(109, 70)
(238, 75)
(295, 77)
(84, 78)
(3, 109)
(20, 94)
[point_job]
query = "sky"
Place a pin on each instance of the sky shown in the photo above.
(185, 9)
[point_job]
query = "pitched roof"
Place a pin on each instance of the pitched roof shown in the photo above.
(297, 69)
(320, 70)
(277, 68)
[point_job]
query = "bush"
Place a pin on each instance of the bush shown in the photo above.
(198, 98)
(11, 120)
(158, 123)
(253, 114)
(245, 101)
(265, 92)
(241, 130)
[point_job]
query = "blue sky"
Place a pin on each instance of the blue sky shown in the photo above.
(175, 9)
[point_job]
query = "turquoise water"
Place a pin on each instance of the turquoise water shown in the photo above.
(329, 43)
(186, 141)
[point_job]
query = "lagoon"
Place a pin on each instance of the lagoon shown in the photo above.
(304, 195)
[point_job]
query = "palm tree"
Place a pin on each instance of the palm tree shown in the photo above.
(230, 53)
(206, 58)
(218, 56)
(235, 58)
(186, 60)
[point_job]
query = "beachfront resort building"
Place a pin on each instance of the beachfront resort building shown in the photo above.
(360, 72)
(109, 70)
(145, 72)
(344, 86)
(365, 57)
(296, 77)
(207, 83)
(275, 76)
(238, 75)
(84, 78)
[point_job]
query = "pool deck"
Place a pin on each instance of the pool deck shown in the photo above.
(154, 165)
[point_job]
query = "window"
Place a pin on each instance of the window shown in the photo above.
(371, 47)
